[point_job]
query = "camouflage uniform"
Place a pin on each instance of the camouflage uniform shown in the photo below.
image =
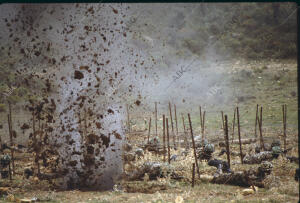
(276, 151)
(265, 168)
(245, 178)
(206, 153)
(222, 166)
(198, 141)
(258, 158)
(154, 170)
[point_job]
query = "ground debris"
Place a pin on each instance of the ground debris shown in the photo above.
(148, 187)
(249, 191)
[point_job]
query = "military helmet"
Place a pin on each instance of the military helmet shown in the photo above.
(209, 148)
(276, 150)
(205, 142)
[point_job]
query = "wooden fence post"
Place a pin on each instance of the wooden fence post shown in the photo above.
(9, 170)
(227, 141)
(203, 127)
(164, 136)
(171, 121)
(168, 140)
(222, 114)
(149, 130)
(156, 118)
(256, 121)
(262, 145)
(284, 126)
(233, 126)
(176, 124)
(11, 141)
(200, 118)
(193, 175)
(239, 133)
(185, 134)
(194, 147)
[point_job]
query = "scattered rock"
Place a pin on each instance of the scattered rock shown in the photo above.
(206, 178)
(248, 192)
(25, 200)
(36, 179)
(179, 199)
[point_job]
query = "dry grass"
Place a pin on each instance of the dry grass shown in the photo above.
(281, 184)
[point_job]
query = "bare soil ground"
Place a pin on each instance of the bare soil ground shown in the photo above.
(281, 186)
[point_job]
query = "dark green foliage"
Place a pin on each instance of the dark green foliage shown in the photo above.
(249, 30)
